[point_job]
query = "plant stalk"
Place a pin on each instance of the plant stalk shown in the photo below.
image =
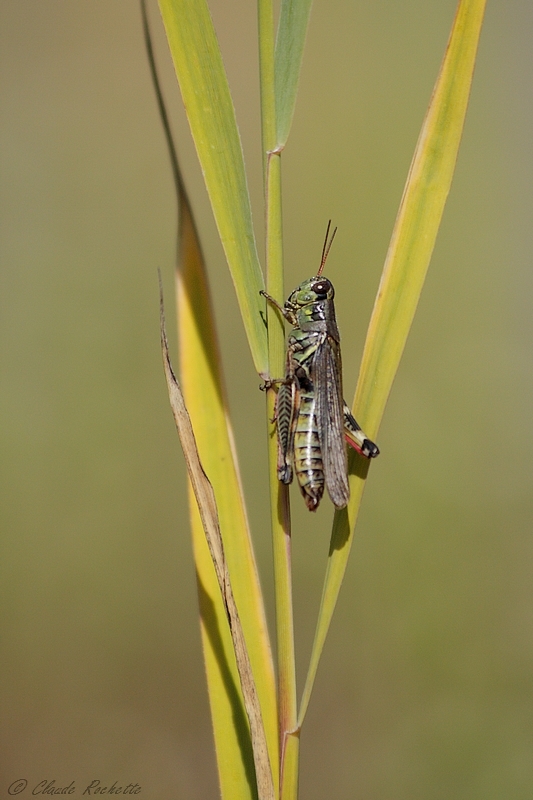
(279, 495)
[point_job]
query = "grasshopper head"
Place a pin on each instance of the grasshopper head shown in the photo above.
(311, 291)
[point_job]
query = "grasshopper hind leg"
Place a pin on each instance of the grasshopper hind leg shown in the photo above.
(356, 438)
(285, 427)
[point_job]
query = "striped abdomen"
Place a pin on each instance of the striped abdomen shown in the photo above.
(307, 454)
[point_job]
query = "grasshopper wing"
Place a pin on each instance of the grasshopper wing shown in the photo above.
(330, 420)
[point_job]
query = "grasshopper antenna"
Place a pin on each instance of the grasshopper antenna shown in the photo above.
(326, 248)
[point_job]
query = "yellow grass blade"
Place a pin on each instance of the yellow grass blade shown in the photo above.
(419, 217)
(205, 91)
(246, 744)
(206, 401)
(205, 499)
(413, 239)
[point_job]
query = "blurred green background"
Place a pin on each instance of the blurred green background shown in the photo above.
(426, 685)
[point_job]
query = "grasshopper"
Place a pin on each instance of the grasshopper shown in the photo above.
(313, 422)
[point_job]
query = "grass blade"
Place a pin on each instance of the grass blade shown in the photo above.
(292, 29)
(206, 96)
(206, 399)
(201, 370)
(410, 249)
(419, 216)
(205, 498)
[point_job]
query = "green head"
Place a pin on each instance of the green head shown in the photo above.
(316, 289)
(311, 291)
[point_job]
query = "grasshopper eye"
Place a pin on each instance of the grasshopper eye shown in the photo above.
(322, 287)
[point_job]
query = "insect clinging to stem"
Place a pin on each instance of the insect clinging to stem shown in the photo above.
(313, 422)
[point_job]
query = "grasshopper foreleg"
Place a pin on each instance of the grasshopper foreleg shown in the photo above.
(286, 312)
